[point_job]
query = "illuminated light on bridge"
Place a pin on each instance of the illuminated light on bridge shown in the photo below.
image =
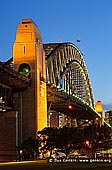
(70, 106)
(87, 142)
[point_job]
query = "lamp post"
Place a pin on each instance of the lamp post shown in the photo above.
(87, 145)
(21, 155)
(87, 142)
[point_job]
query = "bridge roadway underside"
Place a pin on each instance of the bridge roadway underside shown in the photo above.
(74, 110)
(12, 79)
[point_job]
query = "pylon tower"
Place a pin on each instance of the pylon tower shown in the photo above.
(29, 61)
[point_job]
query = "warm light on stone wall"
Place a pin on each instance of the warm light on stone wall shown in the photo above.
(28, 50)
(99, 107)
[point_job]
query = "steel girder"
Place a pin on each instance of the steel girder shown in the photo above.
(65, 66)
(12, 79)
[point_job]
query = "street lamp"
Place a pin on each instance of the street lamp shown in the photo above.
(21, 155)
(70, 106)
(87, 142)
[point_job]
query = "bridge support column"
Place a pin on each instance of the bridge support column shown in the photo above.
(29, 61)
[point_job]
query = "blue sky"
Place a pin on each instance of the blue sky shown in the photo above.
(67, 20)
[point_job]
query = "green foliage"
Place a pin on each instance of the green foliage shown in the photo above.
(67, 138)
(30, 149)
(70, 138)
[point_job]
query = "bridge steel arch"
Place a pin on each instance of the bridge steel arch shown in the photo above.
(66, 68)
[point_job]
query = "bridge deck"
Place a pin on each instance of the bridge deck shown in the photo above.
(11, 78)
(60, 101)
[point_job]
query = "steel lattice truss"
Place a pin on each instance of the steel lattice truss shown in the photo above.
(12, 79)
(10, 82)
(66, 68)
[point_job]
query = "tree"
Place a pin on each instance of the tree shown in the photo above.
(48, 139)
(62, 138)
(88, 139)
(30, 148)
